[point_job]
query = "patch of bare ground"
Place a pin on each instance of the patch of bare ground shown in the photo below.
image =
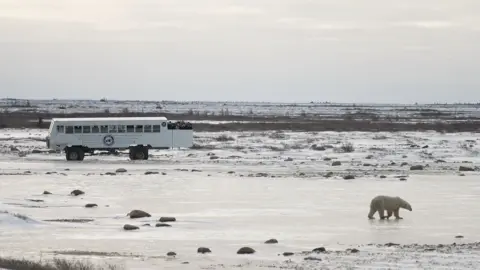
(73, 220)
(102, 254)
(262, 123)
(55, 264)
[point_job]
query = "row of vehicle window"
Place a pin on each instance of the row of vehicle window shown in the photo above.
(109, 129)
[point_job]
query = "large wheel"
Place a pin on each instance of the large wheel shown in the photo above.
(145, 153)
(74, 153)
(138, 153)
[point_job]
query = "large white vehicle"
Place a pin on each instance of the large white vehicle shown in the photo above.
(77, 136)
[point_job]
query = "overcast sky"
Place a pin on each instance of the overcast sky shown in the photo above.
(249, 50)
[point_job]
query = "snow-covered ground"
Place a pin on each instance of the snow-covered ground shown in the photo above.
(257, 186)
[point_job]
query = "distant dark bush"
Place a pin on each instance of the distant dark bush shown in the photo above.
(347, 147)
(224, 138)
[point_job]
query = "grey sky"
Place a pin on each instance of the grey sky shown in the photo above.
(257, 50)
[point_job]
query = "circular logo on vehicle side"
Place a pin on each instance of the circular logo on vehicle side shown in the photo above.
(164, 124)
(108, 140)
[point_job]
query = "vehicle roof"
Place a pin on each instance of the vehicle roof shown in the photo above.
(109, 119)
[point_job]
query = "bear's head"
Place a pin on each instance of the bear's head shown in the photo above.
(405, 205)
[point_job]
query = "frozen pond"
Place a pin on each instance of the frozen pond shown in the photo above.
(225, 213)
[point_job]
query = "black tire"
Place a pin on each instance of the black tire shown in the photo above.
(145, 153)
(81, 154)
(74, 153)
(138, 153)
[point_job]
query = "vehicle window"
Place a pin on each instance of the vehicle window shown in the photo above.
(121, 129)
(104, 129)
(77, 129)
(69, 130)
(147, 128)
(156, 128)
(95, 129)
(60, 129)
(112, 129)
(86, 129)
(130, 129)
(139, 128)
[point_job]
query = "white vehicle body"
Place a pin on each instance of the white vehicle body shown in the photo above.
(115, 133)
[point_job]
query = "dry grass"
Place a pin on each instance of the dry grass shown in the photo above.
(346, 147)
(55, 264)
(224, 138)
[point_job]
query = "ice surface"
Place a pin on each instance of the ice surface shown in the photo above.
(225, 211)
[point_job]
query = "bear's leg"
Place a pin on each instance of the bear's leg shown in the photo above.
(396, 213)
(389, 213)
(371, 213)
(381, 212)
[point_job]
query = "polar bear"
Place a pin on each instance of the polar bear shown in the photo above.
(389, 203)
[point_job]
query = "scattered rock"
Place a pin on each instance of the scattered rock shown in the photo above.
(403, 179)
(47, 192)
(167, 219)
(465, 169)
(348, 177)
(319, 250)
(425, 146)
(34, 200)
(163, 225)
(403, 164)
(121, 170)
(149, 173)
(110, 173)
(416, 168)
(391, 244)
(214, 157)
(353, 250)
(231, 172)
(382, 176)
(164, 173)
(171, 254)
(91, 205)
(289, 159)
(286, 254)
(440, 161)
(336, 163)
(203, 250)
(459, 236)
(246, 250)
(367, 164)
(138, 214)
(261, 174)
(196, 170)
(271, 241)
(128, 227)
(329, 174)
(147, 225)
(318, 147)
(77, 192)
(369, 157)
(312, 259)
(327, 159)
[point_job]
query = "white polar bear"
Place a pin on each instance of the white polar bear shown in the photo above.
(391, 204)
